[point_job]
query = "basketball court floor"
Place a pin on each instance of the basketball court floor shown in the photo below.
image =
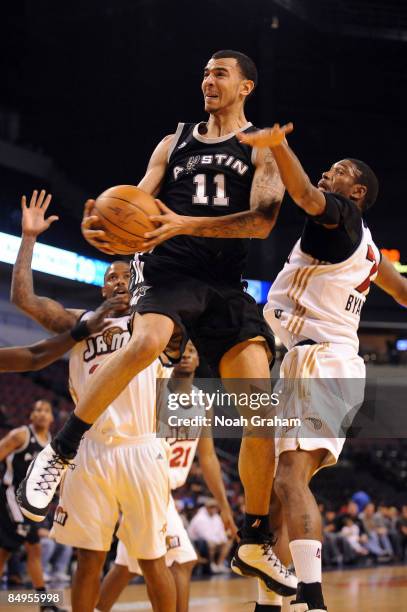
(381, 589)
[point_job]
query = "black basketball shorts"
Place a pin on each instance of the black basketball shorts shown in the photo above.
(216, 316)
(14, 529)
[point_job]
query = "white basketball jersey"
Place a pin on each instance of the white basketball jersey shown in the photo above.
(181, 459)
(183, 446)
(320, 301)
(132, 413)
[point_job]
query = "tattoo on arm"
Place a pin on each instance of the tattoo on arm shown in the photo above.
(267, 188)
(47, 312)
(265, 200)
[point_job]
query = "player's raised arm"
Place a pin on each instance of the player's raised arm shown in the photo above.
(12, 441)
(41, 354)
(151, 183)
(391, 281)
(47, 312)
(212, 474)
(294, 177)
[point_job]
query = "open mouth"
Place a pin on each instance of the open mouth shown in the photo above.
(121, 292)
(323, 186)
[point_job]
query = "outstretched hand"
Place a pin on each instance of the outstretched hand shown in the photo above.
(33, 221)
(97, 321)
(269, 137)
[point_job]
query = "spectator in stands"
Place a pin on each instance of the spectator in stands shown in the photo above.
(361, 498)
(388, 516)
(207, 526)
(332, 554)
(350, 509)
(351, 533)
(378, 540)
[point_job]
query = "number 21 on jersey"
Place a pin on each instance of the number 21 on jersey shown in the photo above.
(179, 457)
(200, 197)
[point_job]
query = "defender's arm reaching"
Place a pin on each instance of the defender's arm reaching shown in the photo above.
(39, 355)
(297, 182)
(47, 312)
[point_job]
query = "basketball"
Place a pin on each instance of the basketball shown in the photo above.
(124, 213)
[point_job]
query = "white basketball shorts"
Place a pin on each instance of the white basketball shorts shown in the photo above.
(131, 477)
(323, 386)
(179, 546)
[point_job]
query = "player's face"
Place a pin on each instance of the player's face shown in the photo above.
(117, 280)
(223, 84)
(41, 415)
(189, 361)
(342, 178)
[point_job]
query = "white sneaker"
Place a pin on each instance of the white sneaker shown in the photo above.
(36, 491)
(258, 559)
(214, 568)
(223, 569)
(62, 577)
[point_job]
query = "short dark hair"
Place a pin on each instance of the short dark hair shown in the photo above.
(369, 180)
(245, 63)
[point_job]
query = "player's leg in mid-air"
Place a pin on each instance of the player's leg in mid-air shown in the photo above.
(151, 333)
(255, 556)
(268, 600)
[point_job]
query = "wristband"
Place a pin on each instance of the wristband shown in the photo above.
(80, 331)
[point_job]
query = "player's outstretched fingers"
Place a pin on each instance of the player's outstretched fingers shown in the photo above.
(33, 198)
(89, 205)
(47, 202)
(269, 137)
(40, 199)
(288, 128)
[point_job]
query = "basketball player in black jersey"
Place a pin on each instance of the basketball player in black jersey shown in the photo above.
(190, 286)
(18, 449)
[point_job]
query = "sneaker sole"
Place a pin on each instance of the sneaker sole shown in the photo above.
(235, 569)
(31, 516)
(273, 585)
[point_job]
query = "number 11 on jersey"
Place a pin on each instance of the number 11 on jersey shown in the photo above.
(200, 197)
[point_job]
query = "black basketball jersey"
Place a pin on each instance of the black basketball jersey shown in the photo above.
(206, 177)
(17, 463)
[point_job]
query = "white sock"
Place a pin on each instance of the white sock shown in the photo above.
(266, 597)
(307, 560)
